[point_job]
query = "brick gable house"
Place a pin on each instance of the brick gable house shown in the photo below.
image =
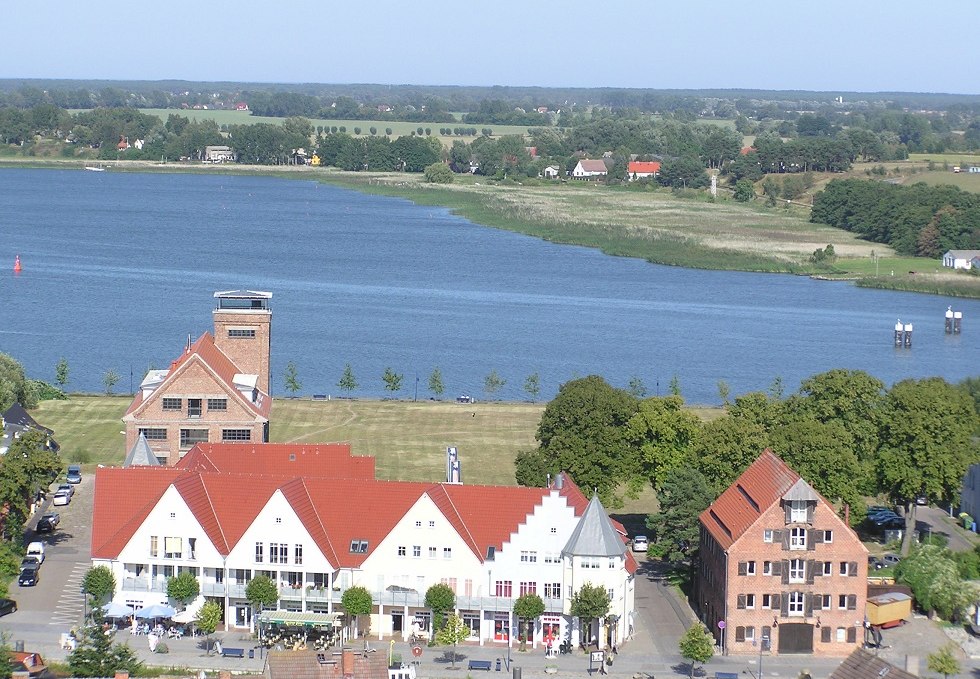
(216, 390)
(779, 567)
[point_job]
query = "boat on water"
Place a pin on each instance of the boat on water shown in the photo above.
(92, 168)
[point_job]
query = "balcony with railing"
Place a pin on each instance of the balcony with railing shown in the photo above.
(143, 585)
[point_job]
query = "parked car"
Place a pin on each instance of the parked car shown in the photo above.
(47, 523)
(7, 606)
(36, 550)
(68, 488)
(29, 562)
(74, 474)
(61, 498)
(891, 559)
(875, 563)
(29, 576)
(640, 543)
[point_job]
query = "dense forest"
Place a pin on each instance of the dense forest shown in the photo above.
(915, 220)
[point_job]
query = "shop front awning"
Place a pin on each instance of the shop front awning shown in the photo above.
(299, 619)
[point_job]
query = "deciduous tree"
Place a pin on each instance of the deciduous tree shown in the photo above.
(207, 620)
(61, 372)
(99, 584)
(347, 381)
(356, 601)
(109, 380)
(493, 383)
(683, 495)
(944, 661)
(590, 603)
(532, 386)
(392, 380)
(96, 655)
(697, 645)
(436, 385)
(527, 607)
(291, 379)
(454, 631)
(183, 587)
(665, 436)
(440, 599)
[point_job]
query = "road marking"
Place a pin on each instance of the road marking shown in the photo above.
(68, 609)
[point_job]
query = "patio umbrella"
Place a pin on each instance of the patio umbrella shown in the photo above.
(117, 610)
(156, 611)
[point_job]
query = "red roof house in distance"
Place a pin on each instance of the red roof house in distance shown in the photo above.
(217, 390)
(780, 567)
(313, 518)
(639, 169)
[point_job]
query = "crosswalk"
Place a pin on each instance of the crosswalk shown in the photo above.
(68, 610)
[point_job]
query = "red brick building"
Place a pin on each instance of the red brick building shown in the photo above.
(780, 567)
(216, 391)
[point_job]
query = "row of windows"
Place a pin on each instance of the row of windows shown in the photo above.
(796, 602)
(278, 553)
(769, 534)
(843, 635)
(172, 403)
(797, 568)
(447, 552)
(239, 333)
(190, 437)
(173, 547)
(551, 590)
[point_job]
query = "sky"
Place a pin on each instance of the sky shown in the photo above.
(831, 45)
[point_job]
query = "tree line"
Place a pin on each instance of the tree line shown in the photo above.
(842, 431)
(917, 220)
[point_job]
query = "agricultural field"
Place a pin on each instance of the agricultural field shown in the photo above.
(398, 128)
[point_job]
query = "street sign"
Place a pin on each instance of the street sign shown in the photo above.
(417, 651)
(721, 624)
(596, 656)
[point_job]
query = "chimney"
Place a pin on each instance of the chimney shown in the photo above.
(559, 480)
(348, 663)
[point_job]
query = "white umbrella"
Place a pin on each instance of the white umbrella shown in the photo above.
(156, 611)
(117, 610)
(184, 616)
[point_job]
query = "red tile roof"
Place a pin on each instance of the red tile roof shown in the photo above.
(213, 493)
(333, 460)
(643, 167)
(207, 352)
(756, 490)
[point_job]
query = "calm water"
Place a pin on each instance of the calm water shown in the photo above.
(120, 268)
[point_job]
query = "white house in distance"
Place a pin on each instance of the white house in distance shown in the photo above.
(589, 169)
(960, 259)
(315, 520)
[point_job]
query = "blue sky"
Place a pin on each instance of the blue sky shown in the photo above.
(835, 45)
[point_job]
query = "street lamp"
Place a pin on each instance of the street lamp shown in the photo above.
(763, 646)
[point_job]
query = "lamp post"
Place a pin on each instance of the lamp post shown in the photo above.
(763, 645)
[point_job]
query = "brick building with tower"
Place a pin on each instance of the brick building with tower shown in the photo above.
(217, 390)
(779, 570)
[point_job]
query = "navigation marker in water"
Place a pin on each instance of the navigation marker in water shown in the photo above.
(17, 266)
(903, 334)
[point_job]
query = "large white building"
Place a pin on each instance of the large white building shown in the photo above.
(315, 520)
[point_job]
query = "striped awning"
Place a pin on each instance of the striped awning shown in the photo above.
(298, 619)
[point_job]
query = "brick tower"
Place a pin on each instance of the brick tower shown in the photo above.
(243, 331)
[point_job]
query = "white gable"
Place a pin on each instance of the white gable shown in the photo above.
(171, 519)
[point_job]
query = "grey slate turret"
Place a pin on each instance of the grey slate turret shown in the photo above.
(140, 455)
(594, 535)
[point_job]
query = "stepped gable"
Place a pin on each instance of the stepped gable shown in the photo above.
(309, 460)
(594, 535)
(140, 455)
(764, 483)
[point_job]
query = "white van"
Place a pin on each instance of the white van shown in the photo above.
(36, 549)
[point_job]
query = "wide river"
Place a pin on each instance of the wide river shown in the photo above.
(119, 268)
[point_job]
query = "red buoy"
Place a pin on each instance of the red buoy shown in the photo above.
(17, 266)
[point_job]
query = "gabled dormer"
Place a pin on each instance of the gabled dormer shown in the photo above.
(799, 503)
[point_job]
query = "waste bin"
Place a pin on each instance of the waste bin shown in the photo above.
(516, 672)
(498, 664)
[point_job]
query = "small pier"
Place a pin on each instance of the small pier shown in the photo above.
(903, 334)
(954, 321)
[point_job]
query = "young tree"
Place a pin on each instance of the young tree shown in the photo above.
(944, 661)
(61, 372)
(109, 379)
(454, 632)
(440, 599)
(100, 584)
(183, 587)
(723, 391)
(527, 607)
(532, 385)
(347, 381)
(590, 603)
(97, 656)
(392, 380)
(356, 601)
(435, 383)
(493, 383)
(207, 620)
(636, 387)
(675, 386)
(261, 592)
(697, 645)
(291, 379)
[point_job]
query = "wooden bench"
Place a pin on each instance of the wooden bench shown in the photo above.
(233, 652)
(480, 665)
(319, 397)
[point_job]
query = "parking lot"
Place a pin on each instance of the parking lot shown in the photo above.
(55, 604)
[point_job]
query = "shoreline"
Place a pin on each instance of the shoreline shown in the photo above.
(511, 206)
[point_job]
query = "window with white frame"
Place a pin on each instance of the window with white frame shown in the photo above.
(432, 524)
(750, 568)
(154, 548)
(173, 548)
(418, 524)
(552, 590)
(767, 601)
(842, 602)
(283, 553)
(825, 602)
(258, 552)
(828, 536)
(828, 568)
(843, 568)
(273, 552)
(750, 600)
(795, 603)
(298, 555)
(611, 594)
(797, 538)
(529, 556)
(417, 551)
(767, 567)
(552, 557)
(402, 551)
(529, 588)
(797, 570)
(797, 511)
(447, 552)
(504, 588)
(767, 535)
(750, 634)
(432, 552)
